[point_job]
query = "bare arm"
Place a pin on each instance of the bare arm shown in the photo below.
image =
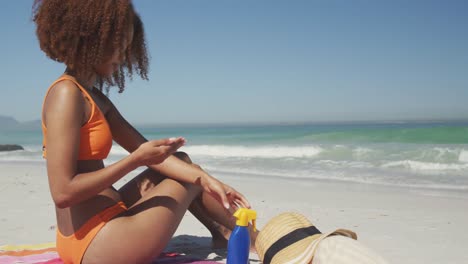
(129, 138)
(64, 115)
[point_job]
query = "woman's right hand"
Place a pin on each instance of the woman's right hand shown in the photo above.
(225, 194)
(156, 151)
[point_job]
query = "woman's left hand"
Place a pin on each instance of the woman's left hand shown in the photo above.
(224, 193)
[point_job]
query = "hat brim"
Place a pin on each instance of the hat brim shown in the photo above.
(302, 252)
(291, 238)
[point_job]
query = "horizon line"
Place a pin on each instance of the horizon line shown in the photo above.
(289, 122)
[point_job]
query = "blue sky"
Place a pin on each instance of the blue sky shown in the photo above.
(216, 61)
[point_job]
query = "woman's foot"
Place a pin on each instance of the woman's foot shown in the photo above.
(218, 242)
(220, 237)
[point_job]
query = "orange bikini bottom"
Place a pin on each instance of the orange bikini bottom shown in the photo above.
(71, 248)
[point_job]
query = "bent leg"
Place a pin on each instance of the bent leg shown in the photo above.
(144, 231)
(205, 208)
(219, 221)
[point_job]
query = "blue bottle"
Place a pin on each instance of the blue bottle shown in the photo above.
(239, 241)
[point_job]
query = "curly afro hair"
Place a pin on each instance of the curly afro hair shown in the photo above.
(82, 34)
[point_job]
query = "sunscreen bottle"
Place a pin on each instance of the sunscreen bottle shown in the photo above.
(239, 241)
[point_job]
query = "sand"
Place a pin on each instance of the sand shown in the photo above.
(401, 224)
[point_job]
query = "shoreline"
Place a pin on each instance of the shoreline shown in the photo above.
(421, 190)
(404, 225)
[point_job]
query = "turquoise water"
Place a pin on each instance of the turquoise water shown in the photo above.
(424, 155)
(430, 133)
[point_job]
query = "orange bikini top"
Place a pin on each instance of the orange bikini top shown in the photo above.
(95, 135)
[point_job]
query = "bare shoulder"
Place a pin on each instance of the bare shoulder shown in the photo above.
(65, 90)
(64, 100)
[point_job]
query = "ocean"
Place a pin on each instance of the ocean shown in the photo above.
(428, 155)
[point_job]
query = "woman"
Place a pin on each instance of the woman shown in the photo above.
(100, 42)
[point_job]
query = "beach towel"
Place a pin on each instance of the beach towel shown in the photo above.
(46, 254)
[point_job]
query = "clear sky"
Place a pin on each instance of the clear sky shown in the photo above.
(270, 61)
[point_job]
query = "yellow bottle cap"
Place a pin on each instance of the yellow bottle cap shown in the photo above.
(244, 216)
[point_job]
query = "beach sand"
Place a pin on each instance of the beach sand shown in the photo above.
(403, 225)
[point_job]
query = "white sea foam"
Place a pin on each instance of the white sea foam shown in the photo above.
(30, 153)
(360, 151)
(437, 154)
(345, 164)
(253, 152)
(425, 166)
(404, 165)
(463, 156)
(226, 151)
(369, 177)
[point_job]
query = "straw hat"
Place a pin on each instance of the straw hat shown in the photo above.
(291, 238)
(344, 250)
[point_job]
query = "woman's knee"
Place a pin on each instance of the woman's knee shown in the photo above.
(148, 180)
(169, 185)
(169, 193)
(197, 189)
